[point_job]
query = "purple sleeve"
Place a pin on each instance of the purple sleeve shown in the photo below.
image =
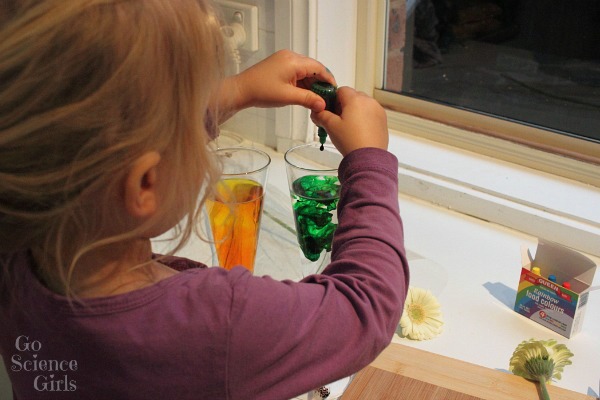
(287, 338)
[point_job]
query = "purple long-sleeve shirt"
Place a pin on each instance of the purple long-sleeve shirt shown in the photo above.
(217, 334)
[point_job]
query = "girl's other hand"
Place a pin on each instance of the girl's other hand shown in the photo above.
(282, 79)
(359, 122)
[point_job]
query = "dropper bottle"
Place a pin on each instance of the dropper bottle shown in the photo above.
(328, 92)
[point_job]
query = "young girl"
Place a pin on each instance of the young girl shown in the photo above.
(106, 108)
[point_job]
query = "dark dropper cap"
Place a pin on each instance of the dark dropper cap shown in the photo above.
(328, 92)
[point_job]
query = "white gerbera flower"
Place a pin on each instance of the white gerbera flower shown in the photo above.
(422, 316)
(540, 360)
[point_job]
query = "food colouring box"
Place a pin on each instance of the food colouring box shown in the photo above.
(557, 303)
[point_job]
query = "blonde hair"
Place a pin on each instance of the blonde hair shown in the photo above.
(86, 87)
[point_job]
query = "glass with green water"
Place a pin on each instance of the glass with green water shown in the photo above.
(315, 191)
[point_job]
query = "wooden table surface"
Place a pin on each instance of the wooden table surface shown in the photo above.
(403, 372)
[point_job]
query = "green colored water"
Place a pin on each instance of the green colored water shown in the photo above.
(314, 201)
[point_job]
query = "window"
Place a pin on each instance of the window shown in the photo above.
(491, 168)
(527, 72)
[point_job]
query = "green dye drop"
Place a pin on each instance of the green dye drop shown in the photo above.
(314, 201)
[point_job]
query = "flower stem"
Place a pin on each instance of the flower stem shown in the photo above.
(544, 390)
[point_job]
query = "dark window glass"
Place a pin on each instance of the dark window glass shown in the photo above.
(535, 62)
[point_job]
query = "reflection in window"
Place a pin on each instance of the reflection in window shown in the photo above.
(535, 62)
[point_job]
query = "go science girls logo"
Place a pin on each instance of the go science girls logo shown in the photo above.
(51, 375)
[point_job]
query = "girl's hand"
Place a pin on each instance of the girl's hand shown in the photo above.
(282, 79)
(359, 122)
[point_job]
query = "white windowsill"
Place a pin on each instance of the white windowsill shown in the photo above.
(533, 202)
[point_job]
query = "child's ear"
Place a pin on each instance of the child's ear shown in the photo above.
(140, 191)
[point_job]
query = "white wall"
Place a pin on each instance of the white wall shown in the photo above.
(322, 29)
(258, 124)
(336, 38)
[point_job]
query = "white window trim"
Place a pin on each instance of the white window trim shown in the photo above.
(293, 30)
(473, 181)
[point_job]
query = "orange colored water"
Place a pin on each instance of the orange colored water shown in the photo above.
(234, 216)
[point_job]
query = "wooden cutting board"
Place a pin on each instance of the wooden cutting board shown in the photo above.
(406, 373)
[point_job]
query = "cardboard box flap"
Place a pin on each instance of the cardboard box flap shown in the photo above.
(526, 258)
(553, 258)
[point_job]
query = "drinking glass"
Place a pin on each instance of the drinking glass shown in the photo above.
(315, 191)
(235, 207)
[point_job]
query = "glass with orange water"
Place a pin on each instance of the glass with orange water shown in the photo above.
(235, 207)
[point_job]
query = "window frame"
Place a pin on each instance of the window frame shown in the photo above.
(528, 146)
